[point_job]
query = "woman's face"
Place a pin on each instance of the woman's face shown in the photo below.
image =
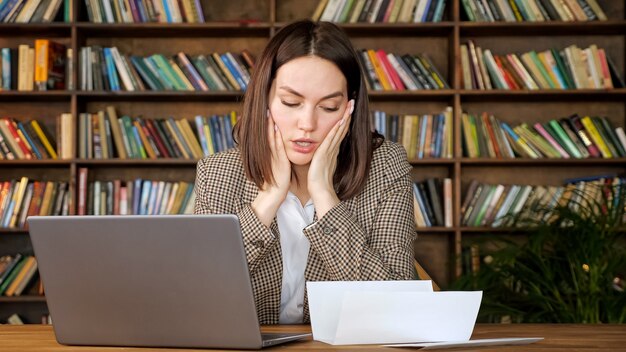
(307, 98)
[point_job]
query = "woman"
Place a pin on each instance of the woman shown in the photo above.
(319, 196)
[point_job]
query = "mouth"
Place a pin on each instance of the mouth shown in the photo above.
(304, 142)
(303, 145)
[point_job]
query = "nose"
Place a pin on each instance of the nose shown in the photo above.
(306, 119)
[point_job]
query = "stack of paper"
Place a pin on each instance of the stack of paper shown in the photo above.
(386, 312)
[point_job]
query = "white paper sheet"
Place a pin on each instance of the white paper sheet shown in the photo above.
(378, 312)
(470, 343)
(326, 300)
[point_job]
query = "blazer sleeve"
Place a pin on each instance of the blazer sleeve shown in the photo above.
(349, 252)
(218, 192)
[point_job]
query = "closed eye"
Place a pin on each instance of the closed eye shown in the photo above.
(291, 105)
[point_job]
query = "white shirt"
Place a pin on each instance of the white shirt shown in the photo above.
(292, 218)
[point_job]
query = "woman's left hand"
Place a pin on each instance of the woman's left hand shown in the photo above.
(322, 168)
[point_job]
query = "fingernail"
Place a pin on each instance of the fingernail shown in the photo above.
(351, 106)
(275, 128)
(341, 122)
(268, 113)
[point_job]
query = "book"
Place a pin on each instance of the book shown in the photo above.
(50, 60)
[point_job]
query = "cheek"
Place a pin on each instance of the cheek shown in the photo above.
(280, 114)
(278, 109)
(326, 124)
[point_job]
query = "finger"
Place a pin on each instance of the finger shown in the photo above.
(280, 145)
(337, 132)
(349, 108)
(279, 151)
(344, 124)
(328, 140)
(336, 140)
(271, 131)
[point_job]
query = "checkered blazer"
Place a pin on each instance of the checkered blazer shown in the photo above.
(368, 237)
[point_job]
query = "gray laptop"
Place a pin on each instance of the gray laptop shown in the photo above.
(159, 281)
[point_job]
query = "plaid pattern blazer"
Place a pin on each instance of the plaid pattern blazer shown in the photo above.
(368, 237)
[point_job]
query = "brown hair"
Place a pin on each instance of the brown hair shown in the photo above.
(327, 41)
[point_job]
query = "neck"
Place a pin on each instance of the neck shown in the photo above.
(300, 172)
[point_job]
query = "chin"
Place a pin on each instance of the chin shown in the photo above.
(299, 159)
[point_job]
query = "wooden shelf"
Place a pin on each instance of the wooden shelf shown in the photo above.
(543, 95)
(444, 94)
(172, 30)
(47, 96)
(435, 229)
(432, 161)
(412, 95)
(374, 95)
(426, 161)
(35, 163)
(520, 162)
(552, 28)
(541, 162)
(393, 29)
(55, 29)
(159, 96)
(135, 162)
(237, 28)
(23, 299)
(12, 231)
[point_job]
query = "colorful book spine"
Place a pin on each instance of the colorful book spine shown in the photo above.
(551, 140)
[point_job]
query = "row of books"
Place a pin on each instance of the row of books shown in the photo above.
(569, 137)
(32, 139)
(108, 69)
(570, 68)
(141, 11)
(425, 136)
(103, 135)
(379, 11)
(533, 10)
(47, 66)
(18, 276)
(136, 197)
(387, 71)
(498, 205)
(432, 202)
(34, 11)
(22, 198)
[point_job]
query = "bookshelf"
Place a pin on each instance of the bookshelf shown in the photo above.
(248, 24)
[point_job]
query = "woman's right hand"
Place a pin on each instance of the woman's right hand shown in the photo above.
(273, 194)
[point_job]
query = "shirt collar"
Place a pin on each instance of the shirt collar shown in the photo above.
(293, 196)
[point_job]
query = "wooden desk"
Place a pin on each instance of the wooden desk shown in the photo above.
(570, 338)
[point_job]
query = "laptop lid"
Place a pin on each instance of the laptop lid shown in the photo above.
(167, 281)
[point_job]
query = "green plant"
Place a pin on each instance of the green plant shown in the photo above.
(568, 271)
